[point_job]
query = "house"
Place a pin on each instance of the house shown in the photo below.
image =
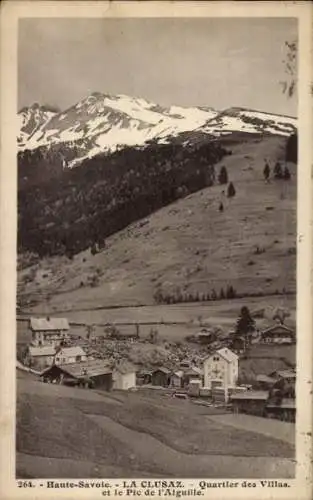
(278, 334)
(177, 379)
(161, 377)
(40, 357)
(251, 402)
(90, 373)
(221, 370)
(205, 336)
(124, 376)
(49, 331)
(66, 355)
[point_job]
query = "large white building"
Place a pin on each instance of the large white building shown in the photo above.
(220, 369)
(48, 331)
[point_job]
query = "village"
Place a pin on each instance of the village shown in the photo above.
(246, 373)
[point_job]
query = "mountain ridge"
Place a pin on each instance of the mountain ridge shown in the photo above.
(104, 123)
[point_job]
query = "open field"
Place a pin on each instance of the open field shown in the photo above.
(137, 434)
(189, 245)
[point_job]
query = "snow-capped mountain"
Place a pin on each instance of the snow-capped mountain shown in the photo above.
(102, 122)
(30, 121)
(250, 121)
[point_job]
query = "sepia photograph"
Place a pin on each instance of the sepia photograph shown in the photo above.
(157, 298)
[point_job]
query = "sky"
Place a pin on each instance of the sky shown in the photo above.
(219, 62)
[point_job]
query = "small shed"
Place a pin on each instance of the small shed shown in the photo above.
(251, 402)
(177, 379)
(91, 373)
(124, 376)
(161, 377)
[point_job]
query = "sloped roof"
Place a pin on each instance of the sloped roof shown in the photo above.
(46, 350)
(250, 395)
(266, 379)
(162, 369)
(71, 351)
(179, 373)
(193, 370)
(46, 324)
(227, 354)
(280, 326)
(89, 368)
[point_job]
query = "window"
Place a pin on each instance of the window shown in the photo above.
(216, 358)
(78, 358)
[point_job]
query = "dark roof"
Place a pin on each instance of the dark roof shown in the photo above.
(278, 325)
(89, 368)
(162, 369)
(253, 395)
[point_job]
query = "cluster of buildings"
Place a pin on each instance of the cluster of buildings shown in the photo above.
(51, 353)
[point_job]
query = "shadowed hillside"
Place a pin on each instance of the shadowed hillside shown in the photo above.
(190, 245)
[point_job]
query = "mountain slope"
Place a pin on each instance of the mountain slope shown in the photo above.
(103, 123)
(189, 244)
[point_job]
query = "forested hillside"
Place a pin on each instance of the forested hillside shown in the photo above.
(70, 212)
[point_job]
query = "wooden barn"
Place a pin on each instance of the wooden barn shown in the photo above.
(161, 377)
(251, 402)
(91, 373)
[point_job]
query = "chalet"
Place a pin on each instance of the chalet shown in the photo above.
(90, 373)
(49, 331)
(177, 379)
(66, 355)
(221, 369)
(124, 376)
(251, 402)
(40, 357)
(161, 377)
(278, 334)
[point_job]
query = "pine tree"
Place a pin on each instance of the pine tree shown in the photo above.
(221, 207)
(286, 174)
(245, 323)
(222, 294)
(223, 176)
(266, 171)
(231, 190)
(278, 173)
(213, 295)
